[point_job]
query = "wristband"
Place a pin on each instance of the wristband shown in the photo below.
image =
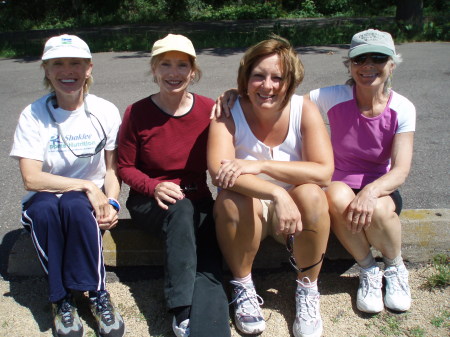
(114, 203)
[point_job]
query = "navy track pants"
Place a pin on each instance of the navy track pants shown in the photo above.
(68, 241)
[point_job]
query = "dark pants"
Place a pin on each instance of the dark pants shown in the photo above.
(193, 262)
(68, 241)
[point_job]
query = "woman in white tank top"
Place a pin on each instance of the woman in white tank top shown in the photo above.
(270, 162)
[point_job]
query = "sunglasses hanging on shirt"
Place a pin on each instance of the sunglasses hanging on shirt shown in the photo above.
(99, 146)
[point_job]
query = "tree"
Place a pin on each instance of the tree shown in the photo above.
(410, 12)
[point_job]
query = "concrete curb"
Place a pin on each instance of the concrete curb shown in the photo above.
(426, 232)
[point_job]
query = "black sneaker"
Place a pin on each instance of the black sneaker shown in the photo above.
(66, 321)
(110, 323)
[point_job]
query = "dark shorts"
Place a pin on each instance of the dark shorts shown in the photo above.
(396, 197)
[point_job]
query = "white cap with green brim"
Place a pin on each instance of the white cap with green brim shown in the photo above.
(371, 41)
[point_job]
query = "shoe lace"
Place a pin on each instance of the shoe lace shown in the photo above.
(247, 299)
(371, 282)
(397, 281)
(105, 308)
(308, 304)
(65, 311)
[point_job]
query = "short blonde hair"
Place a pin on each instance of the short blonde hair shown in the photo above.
(49, 86)
(292, 68)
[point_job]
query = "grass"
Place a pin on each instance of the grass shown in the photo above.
(441, 277)
(300, 34)
(442, 320)
(334, 28)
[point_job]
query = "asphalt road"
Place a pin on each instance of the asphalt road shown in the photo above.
(123, 78)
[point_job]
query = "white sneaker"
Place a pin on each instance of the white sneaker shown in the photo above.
(181, 330)
(398, 294)
(308, 322)
(370, 297)
(247, 314)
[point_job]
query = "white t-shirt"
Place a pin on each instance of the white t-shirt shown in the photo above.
(37, 137)
(248, 147)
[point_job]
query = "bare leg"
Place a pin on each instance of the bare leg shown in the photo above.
(339, 196)
(311, 244)
(238, 227)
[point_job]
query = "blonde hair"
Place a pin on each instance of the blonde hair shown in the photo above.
(49, 86)
(291, 66)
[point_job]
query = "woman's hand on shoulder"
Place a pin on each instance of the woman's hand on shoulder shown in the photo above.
(224, 104)
(167, 192)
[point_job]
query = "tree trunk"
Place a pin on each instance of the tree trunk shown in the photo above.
(410, 12)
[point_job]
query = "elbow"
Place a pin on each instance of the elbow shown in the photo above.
(326, 175)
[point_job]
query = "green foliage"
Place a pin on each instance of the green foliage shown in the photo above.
(441, 278)
(265, 10)
(416, 332)
(442, 320)
(72, 14)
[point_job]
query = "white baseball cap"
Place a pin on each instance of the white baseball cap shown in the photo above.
(174, 42)
(371, 41)
(66, 46)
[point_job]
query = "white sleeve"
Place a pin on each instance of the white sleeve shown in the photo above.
(326, 98)
(406, 117)
(27, 137)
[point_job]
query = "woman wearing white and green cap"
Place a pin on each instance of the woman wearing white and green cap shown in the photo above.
(162, 157)
(66, 143)
(372, 129)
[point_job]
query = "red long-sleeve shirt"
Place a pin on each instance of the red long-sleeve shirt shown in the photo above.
(156, 147)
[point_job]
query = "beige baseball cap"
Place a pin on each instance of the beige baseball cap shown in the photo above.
(66, 46)
(371, 41)
(173, 42)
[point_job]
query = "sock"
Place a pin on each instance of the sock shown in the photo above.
(181, 313)
(367, 262)
(246, 279)
(306, 283)
(396, 261)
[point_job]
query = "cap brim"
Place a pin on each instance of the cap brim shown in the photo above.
(165, 50)
(369, 49)
(66, 52)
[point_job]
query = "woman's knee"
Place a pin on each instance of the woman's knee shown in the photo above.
(75, 201)
(339, 196)
(310, 198)
(384, 214)
(229, 206)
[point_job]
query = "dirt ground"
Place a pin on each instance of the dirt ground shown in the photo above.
(24, 310)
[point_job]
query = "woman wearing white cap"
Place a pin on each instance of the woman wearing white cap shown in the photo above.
(372, 129)
(162, 156)
(66, 146)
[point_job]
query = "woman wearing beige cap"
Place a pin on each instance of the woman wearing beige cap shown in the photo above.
(162, 156)
(372, 129)
(66, 146)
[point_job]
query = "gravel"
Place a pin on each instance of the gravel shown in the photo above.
(24, 309)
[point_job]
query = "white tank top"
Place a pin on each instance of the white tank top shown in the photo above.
(248, 147)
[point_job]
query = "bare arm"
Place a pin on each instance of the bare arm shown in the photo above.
(35, 179)
(316, 167)
(221, 148)
(360, 210)
(112, 189)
